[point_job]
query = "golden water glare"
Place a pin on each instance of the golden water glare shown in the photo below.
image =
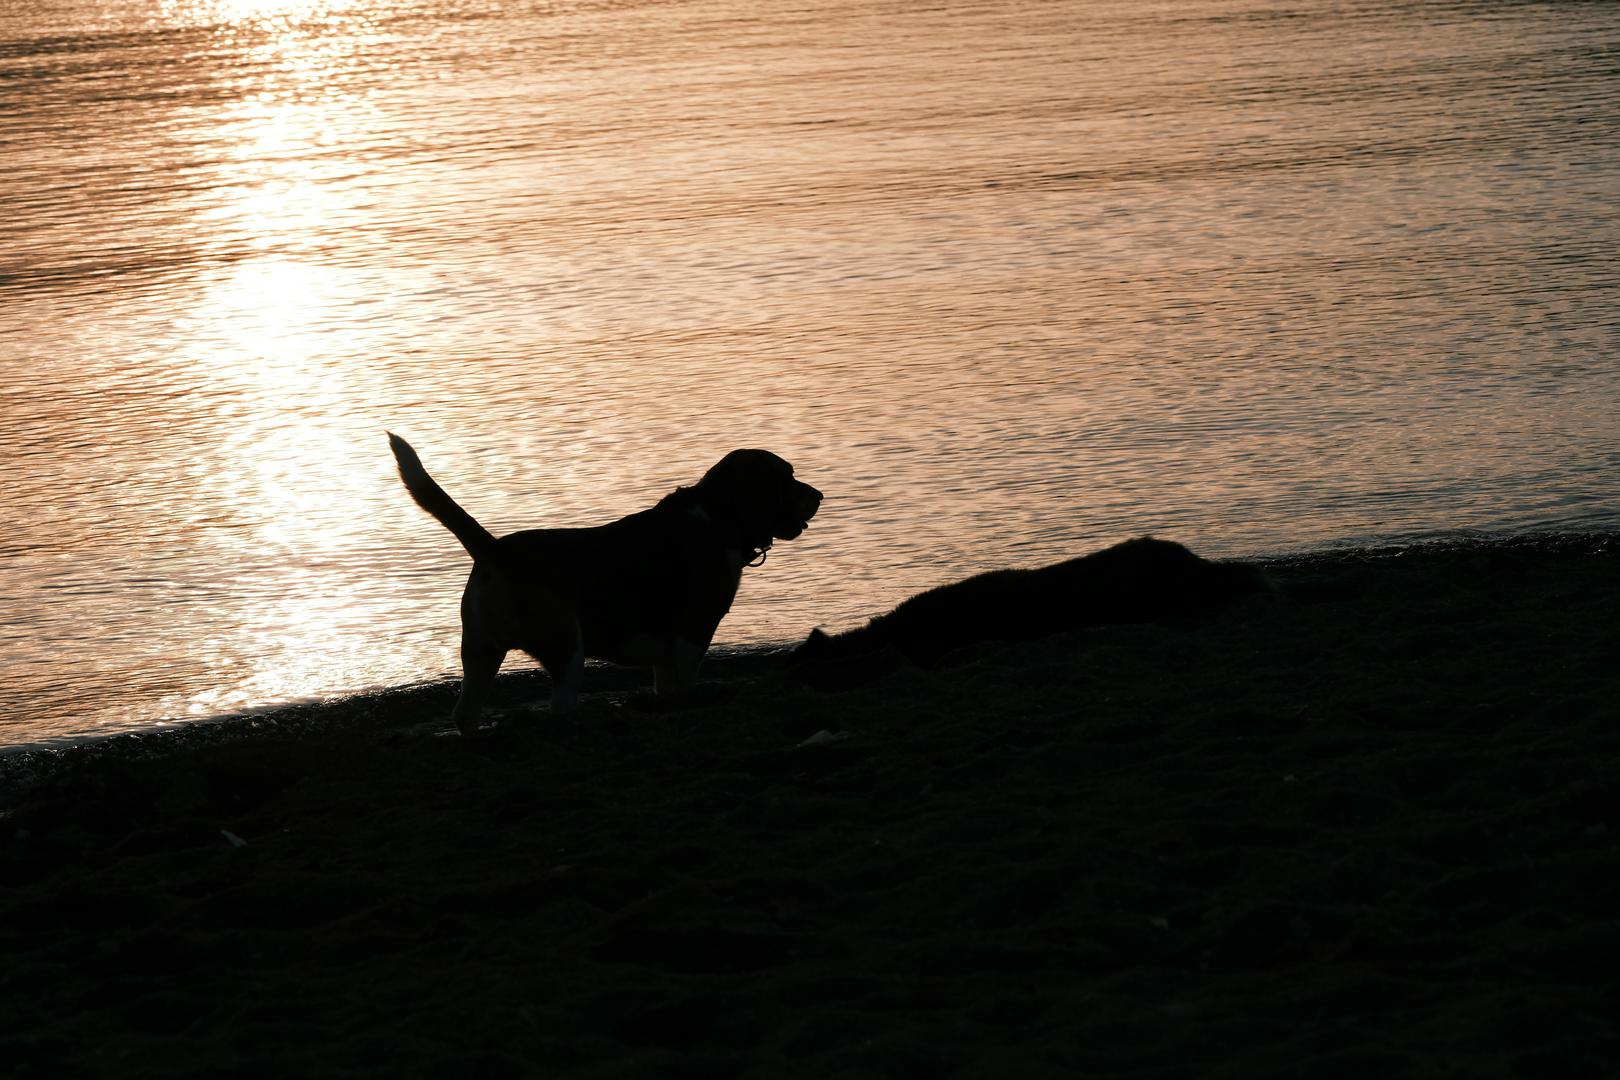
(277, 328)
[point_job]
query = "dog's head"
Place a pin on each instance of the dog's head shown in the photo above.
(755, 491)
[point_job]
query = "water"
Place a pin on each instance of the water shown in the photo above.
(1008, 282)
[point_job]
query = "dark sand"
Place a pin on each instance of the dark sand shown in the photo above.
(1366, 830)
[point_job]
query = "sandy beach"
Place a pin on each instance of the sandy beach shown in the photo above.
(1368, 827)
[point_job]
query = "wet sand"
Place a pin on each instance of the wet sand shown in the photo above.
(1368, 827)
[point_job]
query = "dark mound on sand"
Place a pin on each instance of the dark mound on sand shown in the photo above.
(1142, 580)
(1378, 834)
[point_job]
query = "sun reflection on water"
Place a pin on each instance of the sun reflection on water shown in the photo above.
(273, 329)
(258, 13)
(285, 136)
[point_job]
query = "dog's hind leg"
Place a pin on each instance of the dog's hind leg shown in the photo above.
(564, 661)
(480, 663)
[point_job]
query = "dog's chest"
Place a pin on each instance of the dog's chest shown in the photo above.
(634, 611)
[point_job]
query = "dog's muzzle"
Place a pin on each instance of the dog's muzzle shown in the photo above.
(798, 508)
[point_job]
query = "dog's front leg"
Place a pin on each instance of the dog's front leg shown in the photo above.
(566, 678)
(679, 674)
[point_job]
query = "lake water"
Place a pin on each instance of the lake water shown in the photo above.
(1009, 282)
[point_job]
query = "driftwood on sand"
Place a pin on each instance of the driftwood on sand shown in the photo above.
(1138, 581)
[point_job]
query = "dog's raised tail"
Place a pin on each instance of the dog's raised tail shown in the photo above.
(478, 540)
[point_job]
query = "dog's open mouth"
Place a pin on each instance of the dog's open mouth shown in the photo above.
(796, 515)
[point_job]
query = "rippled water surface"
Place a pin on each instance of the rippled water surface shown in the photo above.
(1008, 282)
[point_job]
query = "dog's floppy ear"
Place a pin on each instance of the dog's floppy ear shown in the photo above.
(725, 486)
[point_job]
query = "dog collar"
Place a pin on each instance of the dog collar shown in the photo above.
(756, 556)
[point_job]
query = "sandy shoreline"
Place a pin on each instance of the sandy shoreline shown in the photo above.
(1368, 826)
